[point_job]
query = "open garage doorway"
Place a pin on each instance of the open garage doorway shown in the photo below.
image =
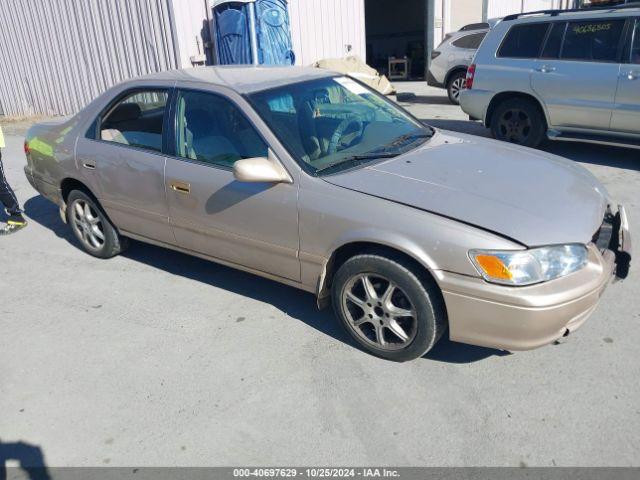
(395, 32)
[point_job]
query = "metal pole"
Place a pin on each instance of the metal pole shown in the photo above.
(253, 33)
(485, 10)
(429, 25)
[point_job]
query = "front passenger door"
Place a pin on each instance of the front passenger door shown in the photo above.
(626, 114)
(254, 225)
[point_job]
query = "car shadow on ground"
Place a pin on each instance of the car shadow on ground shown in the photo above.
(625, 158)
(293, 302)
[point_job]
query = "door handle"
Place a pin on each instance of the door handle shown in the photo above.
(89, 165)
(180, 187)
(546, 69)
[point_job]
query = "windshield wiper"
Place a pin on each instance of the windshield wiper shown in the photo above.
(355, 160)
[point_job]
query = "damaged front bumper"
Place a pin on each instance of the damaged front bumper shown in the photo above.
(524, 318)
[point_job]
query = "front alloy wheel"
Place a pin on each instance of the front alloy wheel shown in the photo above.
(379, 311)
(390, 307)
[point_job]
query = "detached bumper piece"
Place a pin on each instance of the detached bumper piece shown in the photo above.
(614, 235)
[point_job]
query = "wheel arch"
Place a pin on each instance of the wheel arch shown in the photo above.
(70, 184)
(453, 71)
(502, 96)
(406, 251)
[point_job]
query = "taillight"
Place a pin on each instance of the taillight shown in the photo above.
(471, 73)
(27, 150)
(435, 54)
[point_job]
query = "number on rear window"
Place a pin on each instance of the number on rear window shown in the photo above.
(594, 41)
(524, 41)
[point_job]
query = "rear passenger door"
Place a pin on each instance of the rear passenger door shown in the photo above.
(626, 113)
(576, 75)
(122, 157)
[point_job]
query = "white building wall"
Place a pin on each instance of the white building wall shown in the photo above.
(327, 29)
(500, 8)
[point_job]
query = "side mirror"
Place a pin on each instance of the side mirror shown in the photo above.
(260, 170)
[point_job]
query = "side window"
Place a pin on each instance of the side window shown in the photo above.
(635, 45)
(136, 120)
(554, 41)
(524, 41)
(593, 41)
(470, 41)
(213, 130)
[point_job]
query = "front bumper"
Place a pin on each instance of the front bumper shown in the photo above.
(523, 318)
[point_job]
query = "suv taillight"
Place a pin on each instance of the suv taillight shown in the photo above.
(27, 150)
(471, 73)
(435, 54)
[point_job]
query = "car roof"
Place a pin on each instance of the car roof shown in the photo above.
(585, 14)
(243, 79)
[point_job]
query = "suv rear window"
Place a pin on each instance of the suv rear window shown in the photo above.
(470, 41)
(524, 41)
(593, 41)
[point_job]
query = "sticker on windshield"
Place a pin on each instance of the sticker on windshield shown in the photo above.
(352, 86)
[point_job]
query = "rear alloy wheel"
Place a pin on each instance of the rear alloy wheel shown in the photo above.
(91, 226)
(456, 84)
(518, 121)
(386, 308)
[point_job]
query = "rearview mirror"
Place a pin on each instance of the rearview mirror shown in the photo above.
(260, 170)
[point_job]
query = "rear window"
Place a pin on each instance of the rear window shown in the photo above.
(593, 41)
(470, 41)
(524, 41)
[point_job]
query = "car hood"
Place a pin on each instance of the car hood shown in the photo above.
(532, 197)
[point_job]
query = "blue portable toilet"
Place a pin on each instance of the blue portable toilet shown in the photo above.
(253, 32)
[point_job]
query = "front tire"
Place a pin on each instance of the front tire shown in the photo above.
(455, 85)
(387, 307)
(91, 226)
(519, 121)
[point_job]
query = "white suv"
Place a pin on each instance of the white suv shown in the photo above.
(449, 62)
(562, 75)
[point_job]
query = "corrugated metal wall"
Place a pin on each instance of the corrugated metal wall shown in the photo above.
(57, 55)
(325, 29)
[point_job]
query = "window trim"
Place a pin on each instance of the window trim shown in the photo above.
(93, 132)
(172, 151)
(619, 50)
(546, 40)
(633, 31)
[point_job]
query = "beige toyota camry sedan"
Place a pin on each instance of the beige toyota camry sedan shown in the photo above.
(312, 179)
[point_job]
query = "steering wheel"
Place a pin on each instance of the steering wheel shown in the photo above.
(338, 140)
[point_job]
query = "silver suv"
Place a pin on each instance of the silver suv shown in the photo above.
(449, 62)
(561, 75)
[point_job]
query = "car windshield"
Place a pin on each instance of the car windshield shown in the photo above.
(333, 124)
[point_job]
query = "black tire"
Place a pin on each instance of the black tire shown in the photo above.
(455, 85)
(519, 121)
(106, 245)
(416, 287)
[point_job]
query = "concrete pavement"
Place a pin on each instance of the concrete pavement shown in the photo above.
(155, 358)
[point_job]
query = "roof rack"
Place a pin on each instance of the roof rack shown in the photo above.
(555, 13)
